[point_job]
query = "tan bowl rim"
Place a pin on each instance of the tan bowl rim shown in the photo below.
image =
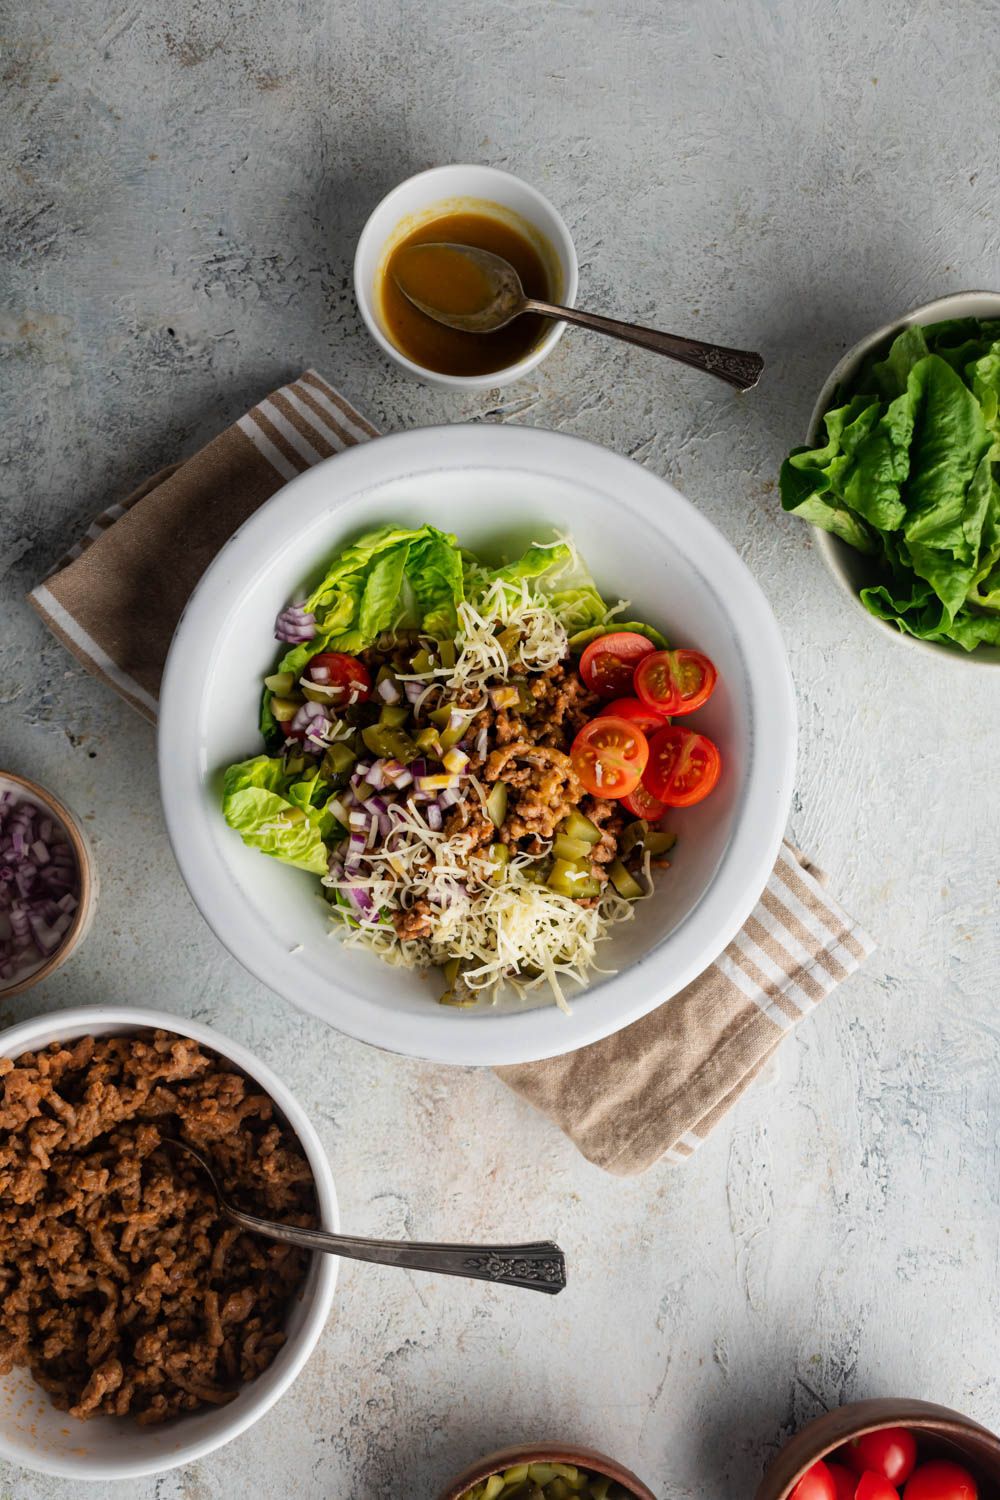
(530, 1453)
(873, 1415)
(831, 547)
(84, 865)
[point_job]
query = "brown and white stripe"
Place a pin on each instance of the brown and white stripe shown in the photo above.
(115, 616)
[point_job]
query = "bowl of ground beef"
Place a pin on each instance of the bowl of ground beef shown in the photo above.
(138, 1328)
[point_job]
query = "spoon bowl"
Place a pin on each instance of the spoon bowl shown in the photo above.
(478, 292)
(484, 290)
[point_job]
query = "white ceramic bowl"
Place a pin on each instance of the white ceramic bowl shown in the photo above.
(37, 1436)
(458, 189)
(853, 570)
(498, 488)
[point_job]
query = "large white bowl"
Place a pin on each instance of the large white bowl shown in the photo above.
(853, 570)
(37, 1436)
(497, 488)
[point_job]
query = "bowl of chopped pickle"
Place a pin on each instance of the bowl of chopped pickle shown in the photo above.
(547, 1471)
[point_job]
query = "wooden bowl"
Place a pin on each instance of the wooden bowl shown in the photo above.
(940, 1433)
(547, 1453)
(86, 870)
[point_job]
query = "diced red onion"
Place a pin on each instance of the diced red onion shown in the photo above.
(36, 866)
(361, 901)
(414, 691)
(388, 691)
(319, 674)
(482, 743)
(305, 714)
(358, 819)
(405, 778)
(339, 810)
(295, 625)
(456, 720)
(418, 767)
(435, 821)
(449, 797)
(375, 777)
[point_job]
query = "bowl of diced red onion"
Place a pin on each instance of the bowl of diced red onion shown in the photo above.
(48, 884)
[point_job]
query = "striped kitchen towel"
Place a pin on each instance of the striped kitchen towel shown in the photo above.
(654, 1089)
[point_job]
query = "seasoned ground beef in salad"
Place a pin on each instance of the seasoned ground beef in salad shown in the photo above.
(122, 1288)
(475, 761)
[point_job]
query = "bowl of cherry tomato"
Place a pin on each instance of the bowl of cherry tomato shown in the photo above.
(887, 1449)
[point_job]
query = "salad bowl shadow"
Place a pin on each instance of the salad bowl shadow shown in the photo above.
(496, 488)
(853, 570)
(940, 1433)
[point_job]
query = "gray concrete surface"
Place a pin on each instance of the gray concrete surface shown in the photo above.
(182, 189)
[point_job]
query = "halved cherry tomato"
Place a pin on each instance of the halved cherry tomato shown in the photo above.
(349, 678)
(683, 766)
(608, 663)
(675, 682)
(844, 1482)
(891, 1452)
(642, 804)
(940, 1480)
(636, 712)
(609, 755)
(815, 1484)
(872, 1486)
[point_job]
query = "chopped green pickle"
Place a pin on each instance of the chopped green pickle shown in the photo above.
(546, 1481)
(440, 716)
(563, 847)
(499, 855)
(423, 661)
(389, 744)
(338, 759)
(634, 834)
(574, 880)
(280, 683)
(496, 804)
(394, 715)
(427, 739)
(625, 884)
(658, 842)
(284, 709)
(446, 653)
(576, 826)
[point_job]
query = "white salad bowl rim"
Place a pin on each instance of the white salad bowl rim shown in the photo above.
(95, 1455)
(441, 1033)
(844, 563)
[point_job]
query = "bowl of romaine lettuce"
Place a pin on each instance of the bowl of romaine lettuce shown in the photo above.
(901, 477)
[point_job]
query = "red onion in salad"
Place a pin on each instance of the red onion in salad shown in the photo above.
(294, 626)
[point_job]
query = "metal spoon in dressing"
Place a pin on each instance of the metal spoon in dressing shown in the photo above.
(476, 291)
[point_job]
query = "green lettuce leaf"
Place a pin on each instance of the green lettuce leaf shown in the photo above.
(388, 579)
(583, 638)
(556, 572)
(279, 814)
(908, 475)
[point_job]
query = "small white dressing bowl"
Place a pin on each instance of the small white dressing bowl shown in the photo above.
(463, 189)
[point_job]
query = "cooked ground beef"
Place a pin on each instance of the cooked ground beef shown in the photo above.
(542, 788)
(122, 1288)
